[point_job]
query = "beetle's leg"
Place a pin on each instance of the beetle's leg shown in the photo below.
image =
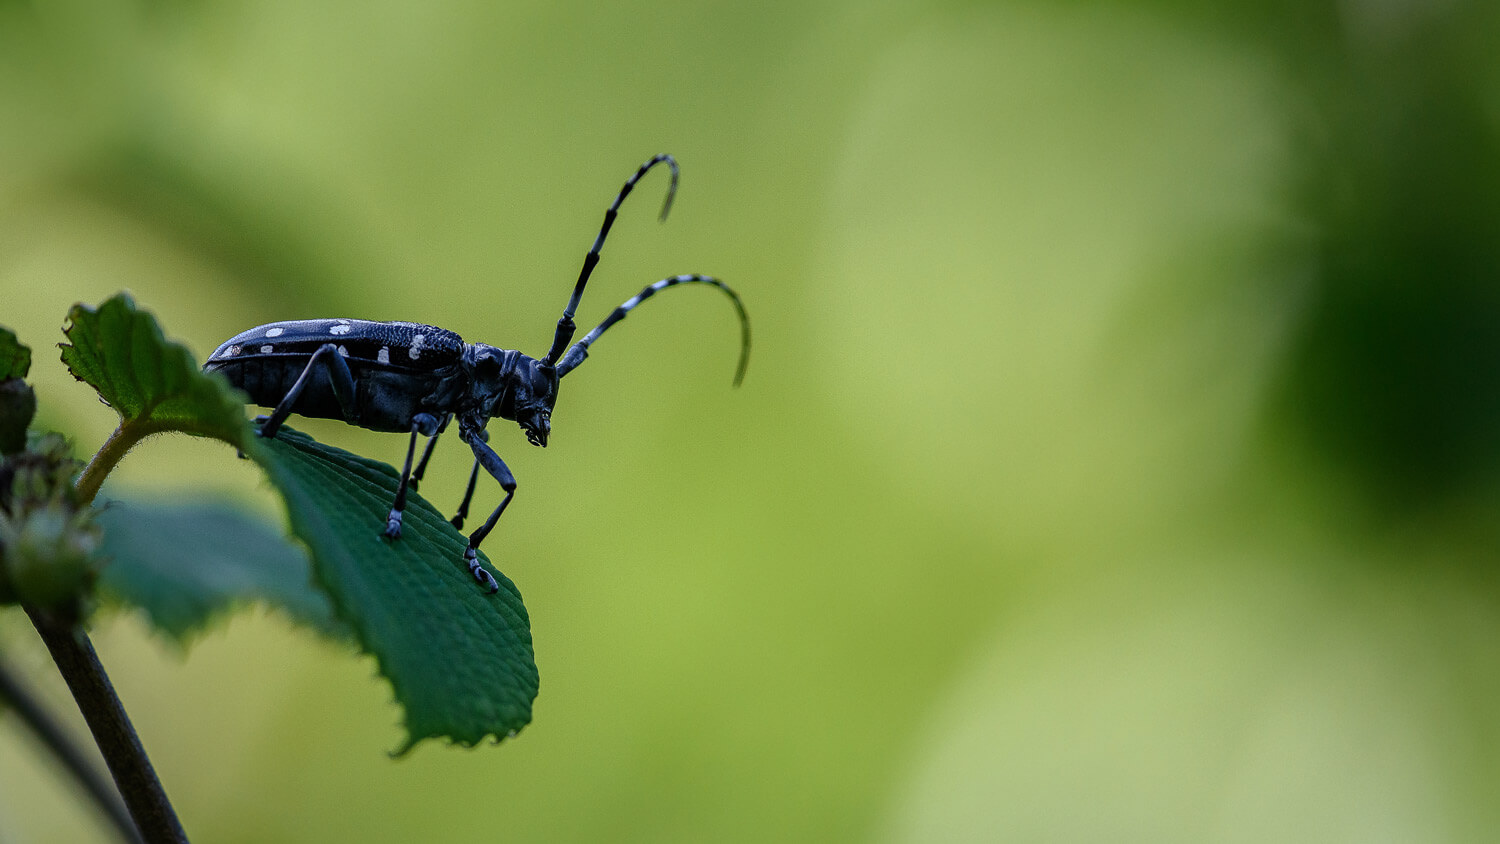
(427, 425)
(417, 473)
(463, 508)
(565, 326)
(339, 378)
(492, 463)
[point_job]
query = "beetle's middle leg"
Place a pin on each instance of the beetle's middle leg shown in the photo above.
(486, 457)
(427, 425)
(339, 377)
(463, 507)
(417, 473)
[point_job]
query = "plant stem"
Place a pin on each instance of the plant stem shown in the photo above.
(74, 654)
(54, 737)
(112, 452)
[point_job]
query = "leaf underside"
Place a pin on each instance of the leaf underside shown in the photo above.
(185, 565)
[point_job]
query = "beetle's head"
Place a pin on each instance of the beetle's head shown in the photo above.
(509, 385)
(535, 394)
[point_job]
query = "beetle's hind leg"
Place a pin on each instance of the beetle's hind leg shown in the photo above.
(427, 425)
(339, 377)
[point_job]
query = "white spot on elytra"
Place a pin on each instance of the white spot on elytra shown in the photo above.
(416, 346)
(232, 351)
(340, 328)
(266, 349)
(384, 355)
(274, 332)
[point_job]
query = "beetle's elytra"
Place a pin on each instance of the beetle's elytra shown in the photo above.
(393, 365)
(413, 378)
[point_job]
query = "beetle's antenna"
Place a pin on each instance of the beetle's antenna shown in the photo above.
(580, 350)
(565, 326)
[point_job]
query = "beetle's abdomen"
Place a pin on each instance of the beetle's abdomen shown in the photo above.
(395, 365)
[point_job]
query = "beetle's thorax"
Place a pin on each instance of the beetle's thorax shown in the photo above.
(505, 384)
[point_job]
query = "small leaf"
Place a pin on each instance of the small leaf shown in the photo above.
(153, 383)
(17, 409)
(184, 565)
(17, 401)
(459, 658)
(15, 358)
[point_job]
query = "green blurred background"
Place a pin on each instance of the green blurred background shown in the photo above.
(1118, 461)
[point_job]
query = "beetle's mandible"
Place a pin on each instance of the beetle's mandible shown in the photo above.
(412, 378)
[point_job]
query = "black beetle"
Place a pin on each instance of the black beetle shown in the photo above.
(408, 377)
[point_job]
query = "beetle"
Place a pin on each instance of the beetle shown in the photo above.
(412, 378)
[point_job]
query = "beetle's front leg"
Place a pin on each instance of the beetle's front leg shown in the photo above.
(427, 425)
(492, 463)
(339, 377)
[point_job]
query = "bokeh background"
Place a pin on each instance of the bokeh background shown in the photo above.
(1118, 461)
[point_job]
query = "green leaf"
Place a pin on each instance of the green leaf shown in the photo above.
(17, 401)
(15, 358)
(459, 658)
(153, 383)
(187, 564)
